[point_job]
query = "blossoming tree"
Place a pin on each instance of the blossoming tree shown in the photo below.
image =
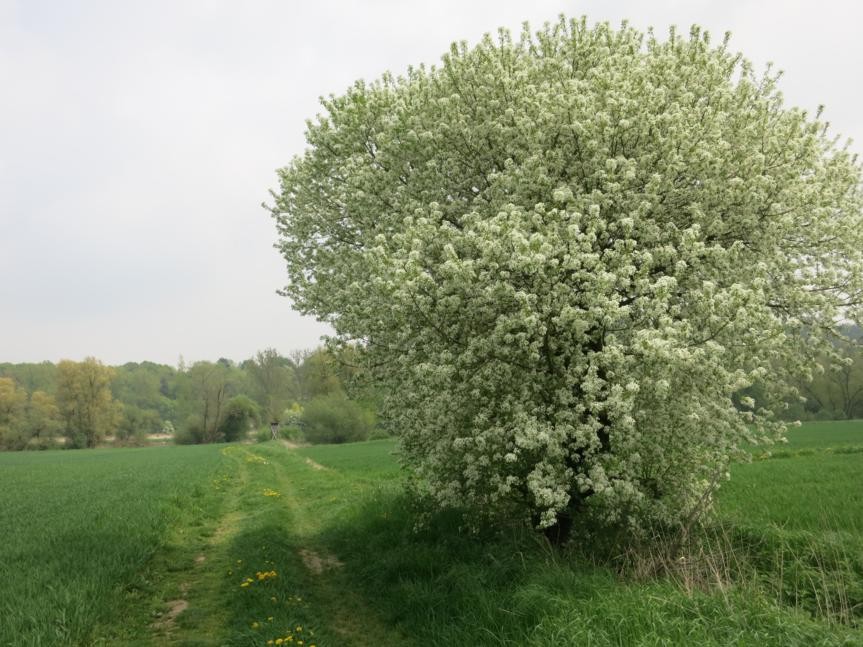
(564, 253)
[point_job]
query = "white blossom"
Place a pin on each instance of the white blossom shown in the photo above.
(564, 254)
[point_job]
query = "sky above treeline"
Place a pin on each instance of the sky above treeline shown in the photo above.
(138, 141)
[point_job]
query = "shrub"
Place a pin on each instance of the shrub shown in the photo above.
(191, 432)
(335, 419)
(240, 415)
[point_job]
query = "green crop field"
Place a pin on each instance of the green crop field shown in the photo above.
(79, 526)
(266, 544)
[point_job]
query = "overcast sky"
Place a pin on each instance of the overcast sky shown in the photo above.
(138, 140)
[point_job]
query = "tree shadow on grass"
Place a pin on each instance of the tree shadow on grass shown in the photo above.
(391, 584)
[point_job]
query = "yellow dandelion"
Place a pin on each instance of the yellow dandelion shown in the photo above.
(244, 584)
(255, 625)
(279, 641)
(269, 618)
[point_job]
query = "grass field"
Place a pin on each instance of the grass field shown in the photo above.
(242, 545)
(79, 526)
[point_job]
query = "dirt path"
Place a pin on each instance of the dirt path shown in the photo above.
(194, 567)
(348, 615)
(210, 583)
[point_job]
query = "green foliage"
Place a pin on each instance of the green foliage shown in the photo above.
(192, 432)
(293, 433)
(40, 376)
(240, 415)
(836, 389)
(13, 401)
(147, 386)
(564, 254)
(206, 387)
(136, 423)
(318, 375)
(42, 422)
(335, 419)
(84, 399)
(263, 434)
(274, 382)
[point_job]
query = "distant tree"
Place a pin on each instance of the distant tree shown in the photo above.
(318, 375)
(240, 414)
(274, 383)
(207, 386)
(42, 420)
(565, 253)
(147, 386)
(13, 402)
(136, 424)
(41, 376)
(84, 399)
(835, 390)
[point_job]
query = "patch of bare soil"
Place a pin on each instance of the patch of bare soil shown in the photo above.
(175, 608)
(318, 563)
(314, 465)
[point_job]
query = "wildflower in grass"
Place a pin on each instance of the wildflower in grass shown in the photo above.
(265, 575)
(244, 584)
(269, 618)
(270, 492)
(255, 625)
(279, 641)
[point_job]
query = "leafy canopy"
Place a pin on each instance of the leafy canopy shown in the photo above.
(564, 253)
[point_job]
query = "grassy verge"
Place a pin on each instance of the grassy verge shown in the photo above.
(444, 585)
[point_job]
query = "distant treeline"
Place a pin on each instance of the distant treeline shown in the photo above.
(87, 404)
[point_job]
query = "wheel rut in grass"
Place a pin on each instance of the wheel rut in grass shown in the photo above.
(192, 568)
(342, 614)
(255, 567)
